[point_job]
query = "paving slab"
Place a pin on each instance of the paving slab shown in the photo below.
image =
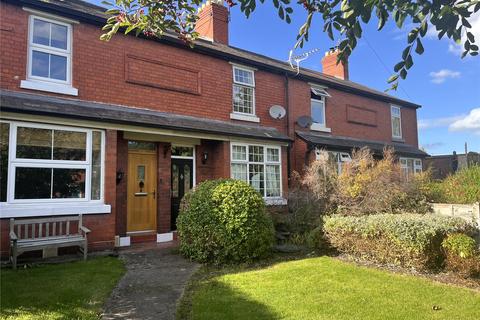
(154, 281)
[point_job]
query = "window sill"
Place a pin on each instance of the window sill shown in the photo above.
(398, 140)
(42, 209)
(275, 201)
(244, 117)
(319, 127)
(49, 87)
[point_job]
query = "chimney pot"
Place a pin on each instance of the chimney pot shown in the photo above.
(330, 66)
(213, 21)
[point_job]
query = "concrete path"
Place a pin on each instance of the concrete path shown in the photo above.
(154, 281)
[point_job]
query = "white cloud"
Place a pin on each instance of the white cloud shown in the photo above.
(456, 49)
(470, 122)
(438, 122)
(442, 75)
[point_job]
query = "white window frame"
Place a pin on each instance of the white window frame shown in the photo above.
(316, 126)
(417, 168)
(264, 163)
(239, 83)
(392, 116)
(193, 158)
(339, 157)
(319, 90)
(45, 83)
(38, 207)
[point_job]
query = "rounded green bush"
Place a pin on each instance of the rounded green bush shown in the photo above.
(461, 245)
(224, 221)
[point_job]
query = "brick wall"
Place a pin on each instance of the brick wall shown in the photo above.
(147, 74)
(164, 181)
(101, 70)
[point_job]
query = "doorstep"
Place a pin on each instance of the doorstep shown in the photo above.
(144, 237)
(146, 246)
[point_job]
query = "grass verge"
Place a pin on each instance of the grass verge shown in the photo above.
(75, 290)
(321, 288)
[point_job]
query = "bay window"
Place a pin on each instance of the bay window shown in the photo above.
(50, 164)
(258, 165)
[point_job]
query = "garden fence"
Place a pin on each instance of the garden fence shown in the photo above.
(469, 212)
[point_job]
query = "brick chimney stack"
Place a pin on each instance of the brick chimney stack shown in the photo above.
(330, 66)
(213, 21)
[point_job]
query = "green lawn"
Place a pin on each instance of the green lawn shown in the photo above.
(323, 288)
(74, 290)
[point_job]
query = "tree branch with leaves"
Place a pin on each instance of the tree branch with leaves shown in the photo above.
(343, 21)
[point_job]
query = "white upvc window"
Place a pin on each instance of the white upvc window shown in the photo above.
(319, 91)
(49, 65)
(258, 165)
(319, 95)
(340, 159)
(51, 165)
(318, 111)
(243, 91)
(410, 166)
(396, 115)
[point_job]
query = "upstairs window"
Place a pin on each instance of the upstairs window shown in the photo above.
(243, 91)
(318, 111)
(49, 50)
(396, 122)
(318, 96)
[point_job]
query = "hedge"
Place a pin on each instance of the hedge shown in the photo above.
(462, 255)
(409, 240)
(224, 221)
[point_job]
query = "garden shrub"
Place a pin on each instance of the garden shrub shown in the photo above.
(224, 221)
(462, 187)
(462, 255)
(365, 185)
(409, 240)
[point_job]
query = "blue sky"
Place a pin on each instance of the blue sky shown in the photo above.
(447, 87)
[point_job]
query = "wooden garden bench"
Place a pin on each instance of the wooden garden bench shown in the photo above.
(47, 234)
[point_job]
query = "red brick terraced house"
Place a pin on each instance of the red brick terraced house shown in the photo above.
(118, 131)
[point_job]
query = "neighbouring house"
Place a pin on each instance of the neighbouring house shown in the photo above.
(119, 131)
(442, 166)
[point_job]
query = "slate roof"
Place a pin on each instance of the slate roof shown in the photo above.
(93, 14)
(347, 143)
(26, 103)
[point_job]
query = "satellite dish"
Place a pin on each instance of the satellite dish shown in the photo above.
(304, 121)
(277, 112)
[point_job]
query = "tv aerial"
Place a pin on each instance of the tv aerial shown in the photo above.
(299, 58)
(277, 112)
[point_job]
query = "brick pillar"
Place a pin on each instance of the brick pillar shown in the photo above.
(164, 173)
(103, 225)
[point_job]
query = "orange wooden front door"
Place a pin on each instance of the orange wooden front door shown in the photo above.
(142, 189)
